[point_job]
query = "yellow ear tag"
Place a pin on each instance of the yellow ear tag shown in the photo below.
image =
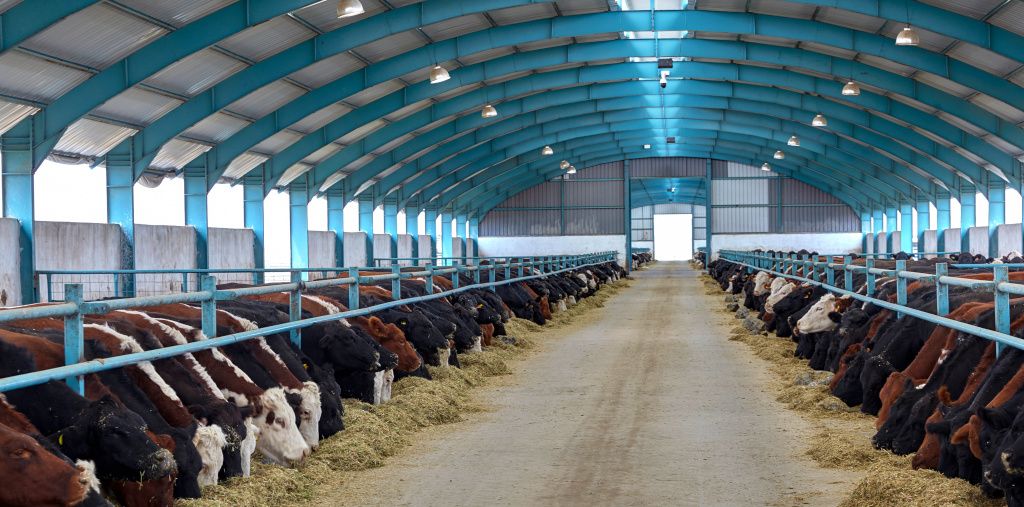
(60, 439)
(305, 366)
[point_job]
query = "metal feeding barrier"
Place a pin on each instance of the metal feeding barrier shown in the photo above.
(76, 307)
(823, 273)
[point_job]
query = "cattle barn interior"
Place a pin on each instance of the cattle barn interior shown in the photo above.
(511, 252)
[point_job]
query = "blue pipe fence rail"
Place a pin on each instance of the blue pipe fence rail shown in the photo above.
(823, 273)
(75, 308)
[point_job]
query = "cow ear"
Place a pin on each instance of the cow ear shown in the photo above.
(835, 317)
(376, 326)
(995, 417)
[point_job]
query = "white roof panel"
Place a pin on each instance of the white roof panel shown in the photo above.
(321, 118)
(544, 43)
(31, 78)
(984, 59)
(1010, 17)
(374, 92)
(324, 15)
(196, 73)
(722, 5)
(361, 132)
(215, 128)
(292, 173)
(885, 64)
(941, 83)
(571, 7)
(770, 41)
(850, 19)
(91, 138)
(597, 37)
(998, 108)
(266, 99)
(242, 164)
(843, 53)
(392, 144)
(1004, 145)
(11, 113)
(267, 39)
(277, 142)
(454, 27)
(781, 8)
(176, 153)
(327, 70)
(176, 12)
(320, 155)
(489, 54)
(523, 13)
(976, 9)
(408, 110)
(95, 37)
(392, 45)
(137, 106)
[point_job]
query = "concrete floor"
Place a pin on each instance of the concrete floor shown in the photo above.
(646, 403)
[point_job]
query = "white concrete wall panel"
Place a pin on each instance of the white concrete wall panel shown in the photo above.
(321, 249)
(551, 245)
(978, 240)
(826, 243)
(405, 243)
(382, 248)
(232, 248)
(10, 262)
(355, 249)
(931, 243)
(880, 243)
(952, 238)
(1009, 236)
(426, 249)
(79, 246)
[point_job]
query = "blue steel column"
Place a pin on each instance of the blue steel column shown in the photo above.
(446, 236)
(907, 227)
(474, 234)
(923, 222)
(996, 212)
(253, 196)
(460, 234)
(196, 213)
(865, 230)
(627, 204)
(366, 224)
(336, 223)
(942, 219)
(298, 222)
(18, 195)
(391, 225)
(890, 227)
(430, 229)
(708, 179)
(968, 215)
(121, 206)
(876, 225)
(412, 228)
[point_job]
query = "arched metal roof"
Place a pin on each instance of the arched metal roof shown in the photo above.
(286, 90)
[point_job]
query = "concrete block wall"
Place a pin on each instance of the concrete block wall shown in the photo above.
(894, 242)
(458, 249)
(382, 248)
(880, 243)
(405, 244)
(471, 249)
(426, 247)
(80, 246)
(952, 238)
(321, 251)
(931, 243)
(355, 249)
(10, 262)
(977, 240)
(552, 245)
(167, 247)
(831, 243)
(1009, 237)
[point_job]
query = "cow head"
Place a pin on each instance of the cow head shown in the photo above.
(391, 337)
(232, 422)
(762, 281)
(309, 413)
(330, 398)
(778, 295)
(346, 350)
(823, 316)
(115, 438)
(41, 477)
(280, 440)
(424, 335)
(210, 441)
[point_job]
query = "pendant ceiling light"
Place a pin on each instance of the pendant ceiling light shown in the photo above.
(766, 167)
(439, 75)
(779, 155)
(572, 170)
(349, 8)
(908, 37)
(547, 151)
(488, 111)
(851, 89)
(819, 121)
(793, 141)
(564, 164)
(647, 146)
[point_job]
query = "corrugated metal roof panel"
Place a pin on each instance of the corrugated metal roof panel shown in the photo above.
(976, 9)
(242, 164)
(545, 43)
(522, 14)
(374, 92)
(581, 222)
(215, 128)
(320, 155)
(361, 131)
(998, 108)
(267, 39)
(912, 102)
(137, 106)
(722, 5)
(95, 37)
(266, 99)
(196, 72)
(929, 40)
(781, 8)
(408, 110)
(609, 170)
(321, 117)
(798, 192)
(512, 75)
(1004, 145)
(176, 12)
(850, 19)
(521, 223)
(422, 73)
(176, 153)
(667, 167)
(489, 54)
(27, 77)
(293, 172)
(11, 113)
(327, 70)
(950, 87)
(277, 142)
(572, 7)
(740, 191)
(984, 59)
(703, 34)
(828, 50)
(817, 219)
(392, 45)
(91, 138)
(886, 64)
(1010, 17)
(455, 27)
(7, 4)
(770, 41)
(324, 15)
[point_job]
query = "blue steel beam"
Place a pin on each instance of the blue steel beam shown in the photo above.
(252, 195)
(336, 224)
(996, 194)
(166, 128)
(16, 154)
(968, 214)
(121, 207)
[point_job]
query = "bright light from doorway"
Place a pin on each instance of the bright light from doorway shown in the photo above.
(673, 237)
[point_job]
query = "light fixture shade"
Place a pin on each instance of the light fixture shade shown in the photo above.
(908, 37)
(851, 89)
(766, 167)
(819, 121)
(439, 75)
(663, 81)
(349, 8)
(779, 155)
(793, 141)
(572, 170)
(547, 151)
(488, 111)
(564, 164)
(647, 146)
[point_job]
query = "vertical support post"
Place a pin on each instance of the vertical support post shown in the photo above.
(901, 286)
(455, 274)
(446, 236)
(353, 289)
(830, 274)
(996, 211)
(336, 224)
(1002, 299)
(476, 275)
(396, 284)
(430, 280)
(627, 218)
(869, 263)
(865, 230)
(74, 335)
(474, 234)
(941, 290)
(366, 224)
(298, 220)
(709, 205)
(412, 228)
(295, 309)
(208, 283)
(490, 277)
(907, 227)
(252, 190)
(942, 220)
(430, 230)
(121, 208)
(17, 149)
(891, 226)
(460, 235)
(923, 222)
(391, 225)
(847, 274)
(968, 215)
(196, 213)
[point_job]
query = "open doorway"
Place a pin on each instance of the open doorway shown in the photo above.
(673, 237)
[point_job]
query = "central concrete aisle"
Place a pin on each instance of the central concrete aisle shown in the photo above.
(646, 403)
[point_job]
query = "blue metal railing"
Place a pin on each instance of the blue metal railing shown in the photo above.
(75, 308)
(815, 270)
